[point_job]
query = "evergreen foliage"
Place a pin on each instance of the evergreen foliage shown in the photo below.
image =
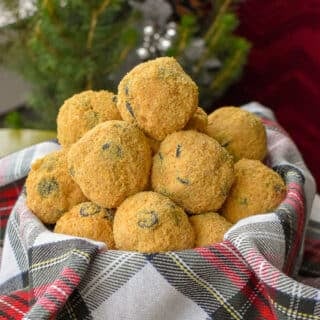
(72, 45)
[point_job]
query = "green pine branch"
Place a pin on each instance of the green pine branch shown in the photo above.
(232, 67)
(82, 45)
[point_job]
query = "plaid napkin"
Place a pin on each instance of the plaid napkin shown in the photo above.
(248, 276)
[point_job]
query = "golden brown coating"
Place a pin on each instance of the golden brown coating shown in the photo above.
(241, 132)
(150, 222)
(82, 112)
(209, 228)
(88, 220)
(198, 122)
(193, 170)
(256, 189)
(159, 96)
(111, 162)
(50, 189)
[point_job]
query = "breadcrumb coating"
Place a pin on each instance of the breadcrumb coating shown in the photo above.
(150, 222)
(82, 112)
(241, 132)
(111, 162)
(256, 189)
(50, 189)
(193, 170)
(88, 220)
(158, 96)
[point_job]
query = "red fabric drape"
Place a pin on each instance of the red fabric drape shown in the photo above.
(283, 71)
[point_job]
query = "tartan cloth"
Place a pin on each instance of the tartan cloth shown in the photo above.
(252, 274)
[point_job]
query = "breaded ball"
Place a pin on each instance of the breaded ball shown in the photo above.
(111, 162)
(198, 122)
(82, 112)
(159, 96)
(50, 189)
(193, 170)
(88, 220)
(256, 189)
(150, 222)
(241, 132)
(209, 228)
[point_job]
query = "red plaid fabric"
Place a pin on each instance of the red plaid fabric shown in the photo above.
(8, 197)
(252, 274)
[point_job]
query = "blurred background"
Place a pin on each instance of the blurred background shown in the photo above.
(236, 50)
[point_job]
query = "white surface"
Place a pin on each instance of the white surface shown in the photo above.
(165, 302)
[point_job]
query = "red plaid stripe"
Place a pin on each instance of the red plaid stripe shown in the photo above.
(272, 125)
(51, 297)
(15, 305)
(8, 197)
(295, 199)
(237, 271)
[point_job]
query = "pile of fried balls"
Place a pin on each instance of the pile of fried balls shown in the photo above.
(147, 170)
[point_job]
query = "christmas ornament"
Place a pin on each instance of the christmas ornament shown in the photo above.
(156, 40)
(158, 33)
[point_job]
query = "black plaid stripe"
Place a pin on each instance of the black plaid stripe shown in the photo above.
(286, 213)
(263, 237)
(289, 224)
(290, 173)
(75, 308)
(15, 241)
(109, 272)
(200, 282)
(295, 305)
(15, 283)
(38, 312)
(47, 261)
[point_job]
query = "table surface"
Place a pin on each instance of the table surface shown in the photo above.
(12, 140)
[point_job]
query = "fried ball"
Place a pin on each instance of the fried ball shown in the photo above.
(82, 112)
(50, 189)
(88, 220)
(198, 122)
(193, 170)
(209, 228)
(241, 132)
(150, 222)
(256, 189)
(159, 96)
(111, 162)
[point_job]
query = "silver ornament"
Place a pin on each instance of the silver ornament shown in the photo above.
(158, 35)
(143, 53)
(148, 30)
(171, 33)
(164, 44)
